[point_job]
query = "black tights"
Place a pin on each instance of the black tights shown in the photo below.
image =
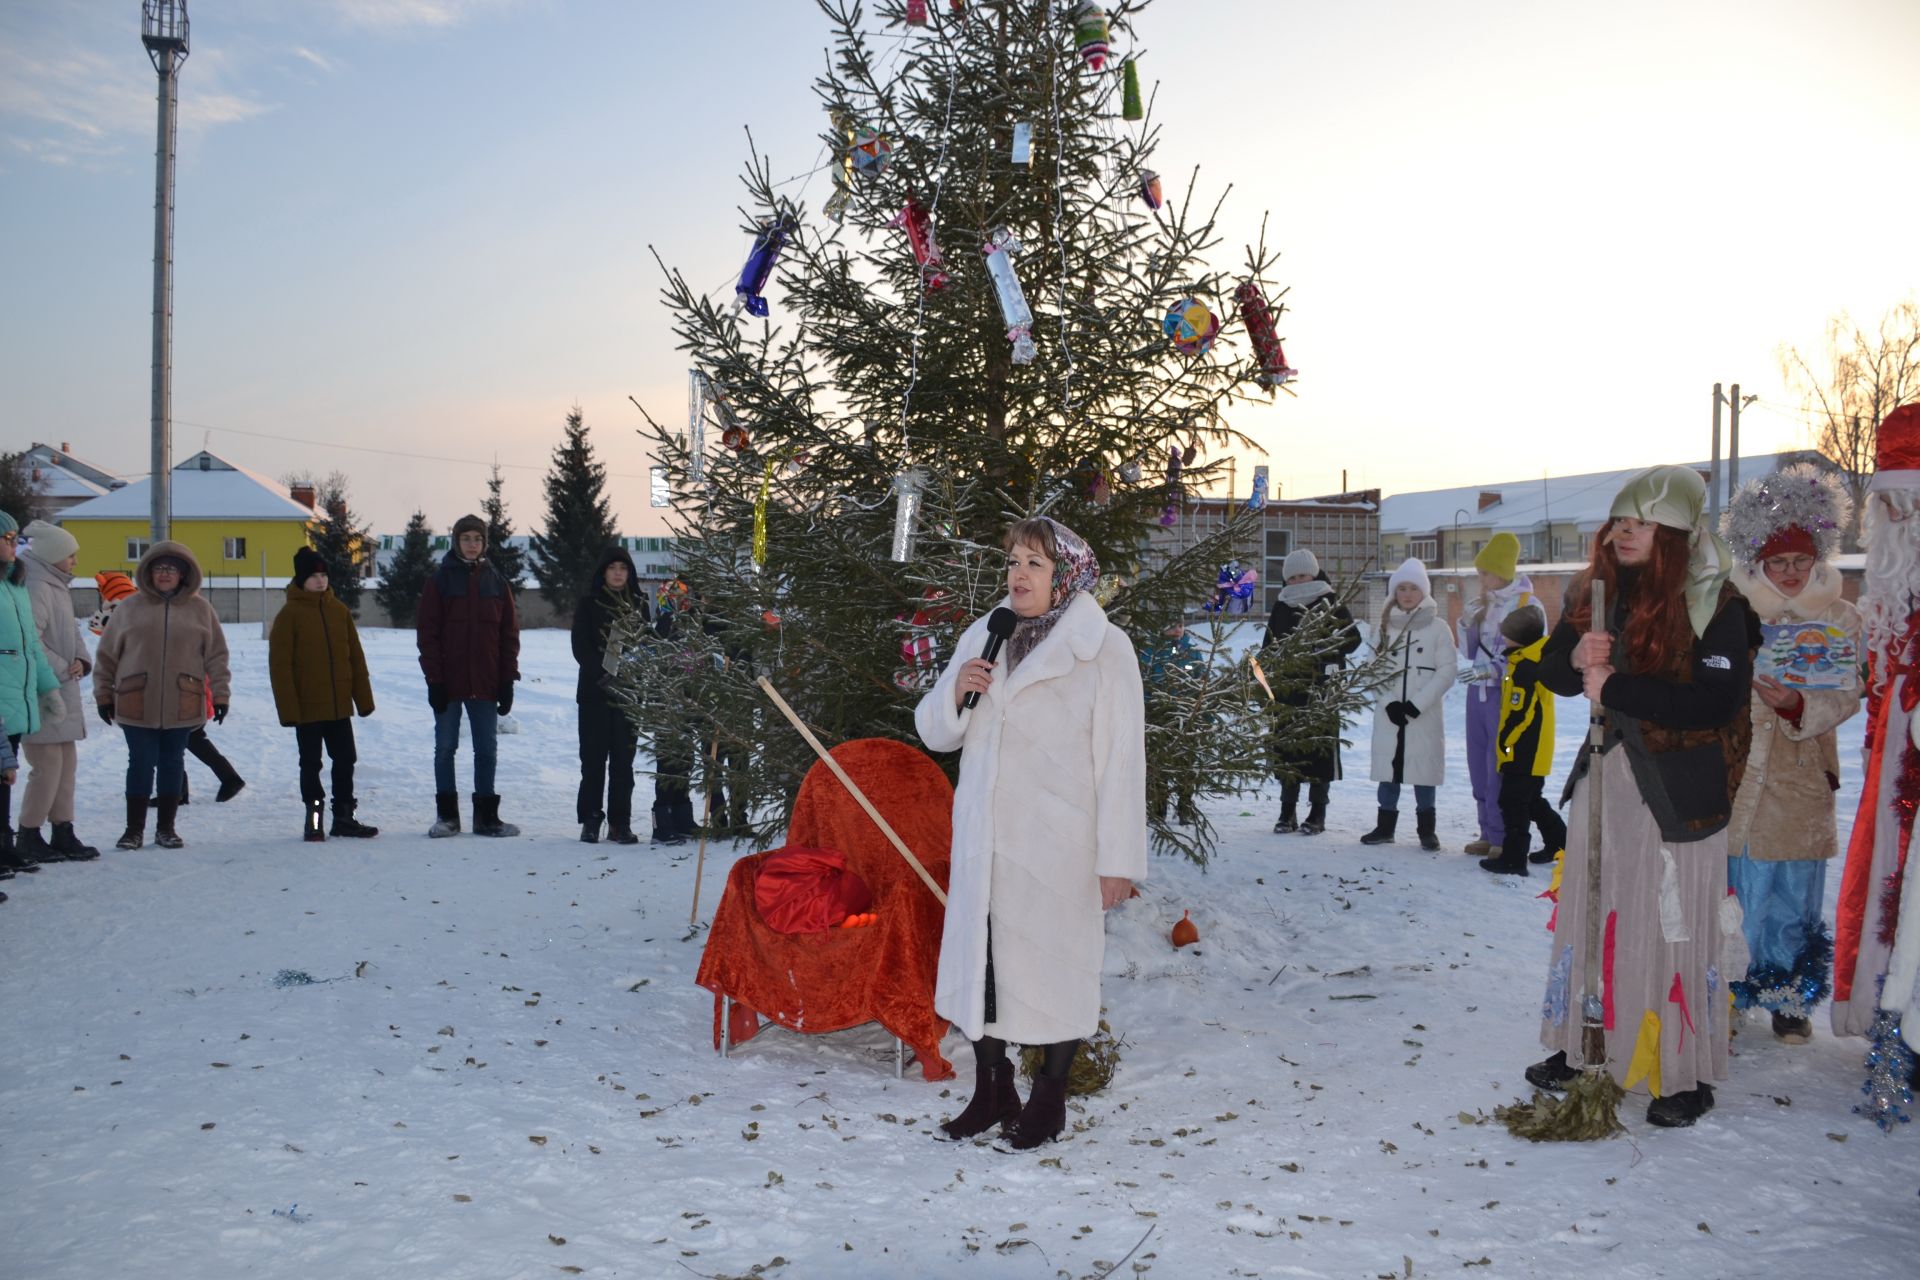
(1056, 1059)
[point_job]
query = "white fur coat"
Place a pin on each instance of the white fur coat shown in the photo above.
(1420, 669)
(1052, 796)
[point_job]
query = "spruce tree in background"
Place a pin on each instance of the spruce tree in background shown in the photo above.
(19, 495)
(399, 591)
(883, 378)
(579, 525)
(343, 541)
(510, 560)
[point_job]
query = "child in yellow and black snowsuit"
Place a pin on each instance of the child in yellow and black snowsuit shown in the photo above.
(1525, 748)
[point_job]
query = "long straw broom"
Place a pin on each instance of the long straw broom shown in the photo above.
(1591, 1109)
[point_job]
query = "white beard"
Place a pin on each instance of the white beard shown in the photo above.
(1891, 592)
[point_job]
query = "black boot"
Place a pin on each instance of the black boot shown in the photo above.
(1288, 821)
(12, 856)
(447, 808)
(1316, 819)
(163, 833)
(995, 1099)
(29, 843)
(314, 832)
(1382, 832)
(1512, 858)
(209, 755)
(620, 831)
(1042, 1119)
(1680, 1110)
(1552, 1074)
(1423, 821)
(136, 833)
(590, 828)
(344, 824)
(70, 845)
(486, 818)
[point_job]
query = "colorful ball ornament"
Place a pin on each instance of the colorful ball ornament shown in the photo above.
(736, 438)
(1192, 326)
(871, 152)
(1150, 189)
(1090, 34)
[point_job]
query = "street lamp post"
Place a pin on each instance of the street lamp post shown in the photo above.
(163, 29)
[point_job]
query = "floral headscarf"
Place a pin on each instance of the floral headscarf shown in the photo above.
(1075, 569)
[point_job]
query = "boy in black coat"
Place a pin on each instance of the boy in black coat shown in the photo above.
(607, 737)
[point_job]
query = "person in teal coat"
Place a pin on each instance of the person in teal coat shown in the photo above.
(26, 677)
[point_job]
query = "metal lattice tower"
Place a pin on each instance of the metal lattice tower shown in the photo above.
(163, 30)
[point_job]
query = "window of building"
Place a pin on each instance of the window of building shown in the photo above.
(233, 548)
(1424, 549)
(137, 547)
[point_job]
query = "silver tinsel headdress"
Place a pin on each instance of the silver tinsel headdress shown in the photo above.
(1800, 496)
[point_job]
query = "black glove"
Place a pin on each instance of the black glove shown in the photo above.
(219, 713)
(436, 697)
(1396, 712)
(106, 711)
(1410, 711)
(504, 702)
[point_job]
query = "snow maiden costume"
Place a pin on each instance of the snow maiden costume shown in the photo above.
(1482, 645)
(1409, 739)
(1675, 743)
(1782, 831)
(1052, 796)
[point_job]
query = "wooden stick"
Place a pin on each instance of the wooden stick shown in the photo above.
(699, 863)
(1593, 1031)
(766, 685)
(1260, 675)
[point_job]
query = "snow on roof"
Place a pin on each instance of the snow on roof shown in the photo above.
(57, 456)
(58, 482)
(205, 487)
(1526, 504)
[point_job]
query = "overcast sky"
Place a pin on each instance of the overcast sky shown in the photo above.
(1520, 236)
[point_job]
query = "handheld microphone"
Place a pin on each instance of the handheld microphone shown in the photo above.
(1000, 625)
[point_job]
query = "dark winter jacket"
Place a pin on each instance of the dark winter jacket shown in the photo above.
(1316, 763)
(593, 615)
(467, 630)
(1525, 744)
(313, 653)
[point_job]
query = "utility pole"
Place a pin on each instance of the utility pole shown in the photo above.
(1735, 402)
(163, 30)
(1713, 472)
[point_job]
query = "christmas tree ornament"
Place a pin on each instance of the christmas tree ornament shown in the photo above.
(1013, 301)
(1185, 933)
(696, 425)
(1170, 514)
(1266, 346)
(1130, 471)
(1090, 34)
(760, 517)
(1023, 143)
(871, 152)
(767, 244)
(1192, 326)
(836, 206)
(918, 224)
(1258, 502)
(916, 13)
(1150, 189)
(907, 488)
(1130, 105)
(736, 438)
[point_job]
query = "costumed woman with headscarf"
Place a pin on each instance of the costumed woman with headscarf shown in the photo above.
(1049, 826)
(1784, 529)
(1670, 666)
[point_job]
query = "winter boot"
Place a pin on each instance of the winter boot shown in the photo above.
(620, 831)
(314, 832)
(1792, 1030)
(28, 842)
(486, 818)
(70, 846)
(231, 783)
(163, 833)
(1382, 832)
(1316, 819)
(590, 828)
(136, 833)
(447, 806)
(1512, 858)
(1680, 1110)
(1553, 1074)
(209, 755)
(1042, 1119)
(1477, 848)
(345, 825)
(1544, 854)
(1288, 820)
(995, 1100)
(1423, 821)
(12, 856)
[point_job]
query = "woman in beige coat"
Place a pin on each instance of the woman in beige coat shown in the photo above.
(1783, 529)
(52, 753)
(161, 656)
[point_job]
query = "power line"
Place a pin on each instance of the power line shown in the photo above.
(390, 453)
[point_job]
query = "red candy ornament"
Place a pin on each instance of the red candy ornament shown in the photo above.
(1274, 370)
(918, 224)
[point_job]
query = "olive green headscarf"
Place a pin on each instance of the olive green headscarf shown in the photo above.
(1677, 497)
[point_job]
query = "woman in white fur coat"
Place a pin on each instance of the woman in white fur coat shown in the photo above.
(1049, 826)
(1409, 739)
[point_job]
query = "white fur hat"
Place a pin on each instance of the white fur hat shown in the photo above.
(1298, 562)
(1410, 570)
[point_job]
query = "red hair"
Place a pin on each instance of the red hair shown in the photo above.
(1657, 627)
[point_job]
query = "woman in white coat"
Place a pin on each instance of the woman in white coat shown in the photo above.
(52, 751)
(1049, 826)
(1409, 740)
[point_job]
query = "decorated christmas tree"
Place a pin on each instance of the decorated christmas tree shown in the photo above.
(998, 310)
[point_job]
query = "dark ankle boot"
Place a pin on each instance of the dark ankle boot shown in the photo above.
(1424, 821)
(29, 843)
(70, 846)
(1316, 819)
(620, 831)
(446, 821)
(12, 856)
(1288, 820)
(136, 833)
(314, 831)
(590, 828)
(163, 833)
(486, 818)
(1382, 832)
(231, 783)
(995, 1100)
(1042, 1119)
(1506, 864)
(344, 823)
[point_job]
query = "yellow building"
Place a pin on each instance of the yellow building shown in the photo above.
(226, 515)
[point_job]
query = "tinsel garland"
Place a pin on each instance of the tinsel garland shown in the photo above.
(1889, 1085)
(1794, 991)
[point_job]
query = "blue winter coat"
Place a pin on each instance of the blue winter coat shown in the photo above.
(25, 673)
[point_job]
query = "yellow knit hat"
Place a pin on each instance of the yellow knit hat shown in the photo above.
(1500, 557)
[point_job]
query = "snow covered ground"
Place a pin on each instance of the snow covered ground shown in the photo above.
(504, 1067)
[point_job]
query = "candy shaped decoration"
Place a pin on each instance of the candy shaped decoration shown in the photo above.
(1090, 34)
(836, 206)
(916, 13)
(696, 425)
(1023, 143)
(1274, 371)
(1192, 326)
(907, 488)
(1150, 188)
(772, 238)
(918, 224)
(1130, 105)
(870, 152)
(760, 517)
(1013, 300)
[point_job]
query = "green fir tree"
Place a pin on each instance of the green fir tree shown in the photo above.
(579, 526)
(509, 560)
(343, 540)
(398, 594)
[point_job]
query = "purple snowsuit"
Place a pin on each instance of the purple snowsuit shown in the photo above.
(1481, 644)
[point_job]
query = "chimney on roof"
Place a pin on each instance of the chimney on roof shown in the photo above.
(1489, 498)
(65, 447)
(302, 494)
